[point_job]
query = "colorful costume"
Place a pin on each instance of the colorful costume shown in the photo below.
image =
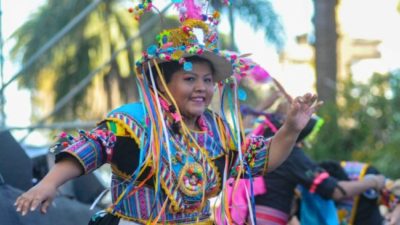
(298, 169)
(164, 173)
(274, 206)
(363, 209)
(121, 140)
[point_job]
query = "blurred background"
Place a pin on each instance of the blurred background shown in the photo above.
(65, 64)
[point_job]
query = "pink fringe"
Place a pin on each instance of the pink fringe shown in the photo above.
(189, 10)
(259, 130)
(237, 199)
(193, 10)
(260, 75)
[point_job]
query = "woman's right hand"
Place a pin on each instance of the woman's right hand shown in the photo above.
(40, 195)
(44, 192)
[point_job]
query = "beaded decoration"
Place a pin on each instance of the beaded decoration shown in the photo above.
(175, 45)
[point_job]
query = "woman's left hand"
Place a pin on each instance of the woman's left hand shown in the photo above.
(393, 218)
(301, 110)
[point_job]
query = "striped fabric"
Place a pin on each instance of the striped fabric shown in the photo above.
(88, 152)
(143, 204)
(128, 124)
(140, 205)
(268, 216)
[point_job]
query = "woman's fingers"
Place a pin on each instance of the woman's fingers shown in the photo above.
(25, 203)
(311, 101)
(318, 104)
(307, 100)
(35, 203)
(45, 206)
(310, 98)
(17, 203)
(308, 103)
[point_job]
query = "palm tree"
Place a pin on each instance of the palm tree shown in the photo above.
(79, 52)
(259, 14)
(88, 46)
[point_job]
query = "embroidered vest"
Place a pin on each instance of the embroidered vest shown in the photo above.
(188, 175)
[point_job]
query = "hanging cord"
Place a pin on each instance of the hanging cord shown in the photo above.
(97, 200)
(240, 136)
(151, 144)
(164, 126)
(186, 132)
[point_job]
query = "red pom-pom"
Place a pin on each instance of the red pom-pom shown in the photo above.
(186, 29)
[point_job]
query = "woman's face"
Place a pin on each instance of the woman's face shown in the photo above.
(192, 90)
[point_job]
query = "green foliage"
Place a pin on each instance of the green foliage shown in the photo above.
(326, 144)
(91, 44)
(398, 6)
(37, 31)
(82, 50)
(260, 14)
(368, 124)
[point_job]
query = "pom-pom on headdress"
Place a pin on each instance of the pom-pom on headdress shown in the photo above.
(178, 43)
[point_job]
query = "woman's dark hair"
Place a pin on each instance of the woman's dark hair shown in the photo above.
(334, 169)
(307, 129)
(169, 68)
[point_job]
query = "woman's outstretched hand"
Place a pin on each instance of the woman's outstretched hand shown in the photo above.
(301, 110)
(44, 192)
(40, 195)
(393, 218)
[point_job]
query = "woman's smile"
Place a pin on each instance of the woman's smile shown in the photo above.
(192, 90)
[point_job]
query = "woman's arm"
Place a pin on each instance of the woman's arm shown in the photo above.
(82, 155)
(353, 188)
(44, 192)
(299, 114)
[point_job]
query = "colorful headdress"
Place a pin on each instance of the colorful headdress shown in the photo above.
(244, 66)
(178, 43)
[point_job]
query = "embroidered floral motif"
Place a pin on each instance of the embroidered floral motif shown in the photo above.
(255, 157)
(193, 178)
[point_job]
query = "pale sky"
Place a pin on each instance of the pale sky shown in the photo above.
(375, 19)
(18, 107)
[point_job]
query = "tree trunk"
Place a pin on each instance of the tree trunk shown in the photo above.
(326, 72)
(325, 49)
